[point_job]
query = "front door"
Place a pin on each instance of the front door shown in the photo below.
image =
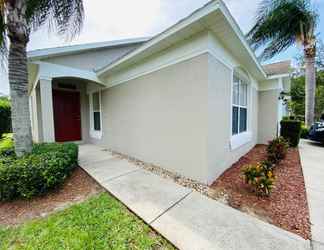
(67, 115)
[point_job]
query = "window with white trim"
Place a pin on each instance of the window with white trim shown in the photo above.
(239, 106)
(96, 111)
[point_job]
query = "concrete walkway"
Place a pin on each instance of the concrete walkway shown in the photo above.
(186, 218)
(312, 159)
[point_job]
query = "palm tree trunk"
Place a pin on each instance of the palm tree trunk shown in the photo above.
(310, 88)
(18, 80)
(18, 33)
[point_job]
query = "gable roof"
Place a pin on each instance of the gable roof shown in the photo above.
(278, 68)
(213, 16)
(206, 17)
(73, 49)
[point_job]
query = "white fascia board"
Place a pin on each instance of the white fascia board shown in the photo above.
(241, 36)
(185, 50)
(195, 16)
(278, 76)
(67, 50)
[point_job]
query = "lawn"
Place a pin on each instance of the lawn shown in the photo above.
(98, 223)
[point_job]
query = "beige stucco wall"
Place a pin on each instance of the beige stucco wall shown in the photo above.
(220, 155)
(268, 115)
(178, 118)
(161, 118)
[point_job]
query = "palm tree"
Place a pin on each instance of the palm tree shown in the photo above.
(18, 18)
(282, 23)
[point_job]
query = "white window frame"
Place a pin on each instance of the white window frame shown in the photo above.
(96, 134)
(241, 138)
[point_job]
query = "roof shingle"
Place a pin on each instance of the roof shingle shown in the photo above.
(278, 68)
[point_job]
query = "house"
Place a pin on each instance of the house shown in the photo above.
(192, 99)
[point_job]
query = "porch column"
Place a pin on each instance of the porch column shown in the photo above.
(45, 86)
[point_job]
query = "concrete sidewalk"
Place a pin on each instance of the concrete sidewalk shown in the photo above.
(312, 159)
(186, 218)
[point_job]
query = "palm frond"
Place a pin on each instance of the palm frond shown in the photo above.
(278, 25)
(3, 36)
(65, 17)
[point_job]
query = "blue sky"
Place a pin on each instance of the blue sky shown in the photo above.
(112, 19)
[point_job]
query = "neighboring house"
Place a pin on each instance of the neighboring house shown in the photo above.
(193, 99)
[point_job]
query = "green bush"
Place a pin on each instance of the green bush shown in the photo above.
(6, 145)
(291, 131)
(5, 116)
(277, 150)
(37, 173)
(304, 132)
(260, 177)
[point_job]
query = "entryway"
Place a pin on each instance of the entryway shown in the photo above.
(67, 115)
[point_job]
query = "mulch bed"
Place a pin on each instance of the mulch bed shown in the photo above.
(77, 188)
(286, 207)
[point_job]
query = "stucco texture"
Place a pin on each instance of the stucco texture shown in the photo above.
(220, 154)
(161, 118)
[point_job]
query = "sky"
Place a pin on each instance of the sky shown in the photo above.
(119, 19)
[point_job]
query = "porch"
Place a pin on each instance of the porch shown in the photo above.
(60, 105)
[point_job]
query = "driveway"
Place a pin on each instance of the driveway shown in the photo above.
(312, 159)
(186, 218)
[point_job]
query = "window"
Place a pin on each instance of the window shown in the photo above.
(239, 106)
(96, 112)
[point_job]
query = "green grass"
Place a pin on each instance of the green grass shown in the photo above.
(6, 141)
(99, 223)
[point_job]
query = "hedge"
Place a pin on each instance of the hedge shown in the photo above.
(304, 132)
(37, 173)
(5, 116)
(291, 131)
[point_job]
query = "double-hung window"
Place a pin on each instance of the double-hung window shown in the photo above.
(239, 106)
(96, 111)
(95, 115)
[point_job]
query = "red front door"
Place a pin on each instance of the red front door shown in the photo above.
(67, 115)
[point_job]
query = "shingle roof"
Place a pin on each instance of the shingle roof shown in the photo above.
(278, 68)
(83, 47)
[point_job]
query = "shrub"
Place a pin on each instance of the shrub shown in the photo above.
(259, 177)
(277, 150)
(6, 145)
(304, 132)
(37, 173)
(5, 116)
(291, 131)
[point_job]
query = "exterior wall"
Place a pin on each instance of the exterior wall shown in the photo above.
(220, 154)
(91, 59)
(268, 115)
(161, 117)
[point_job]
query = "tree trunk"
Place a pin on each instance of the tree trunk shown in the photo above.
(310, 87)
(18, 33)
(18, 80)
